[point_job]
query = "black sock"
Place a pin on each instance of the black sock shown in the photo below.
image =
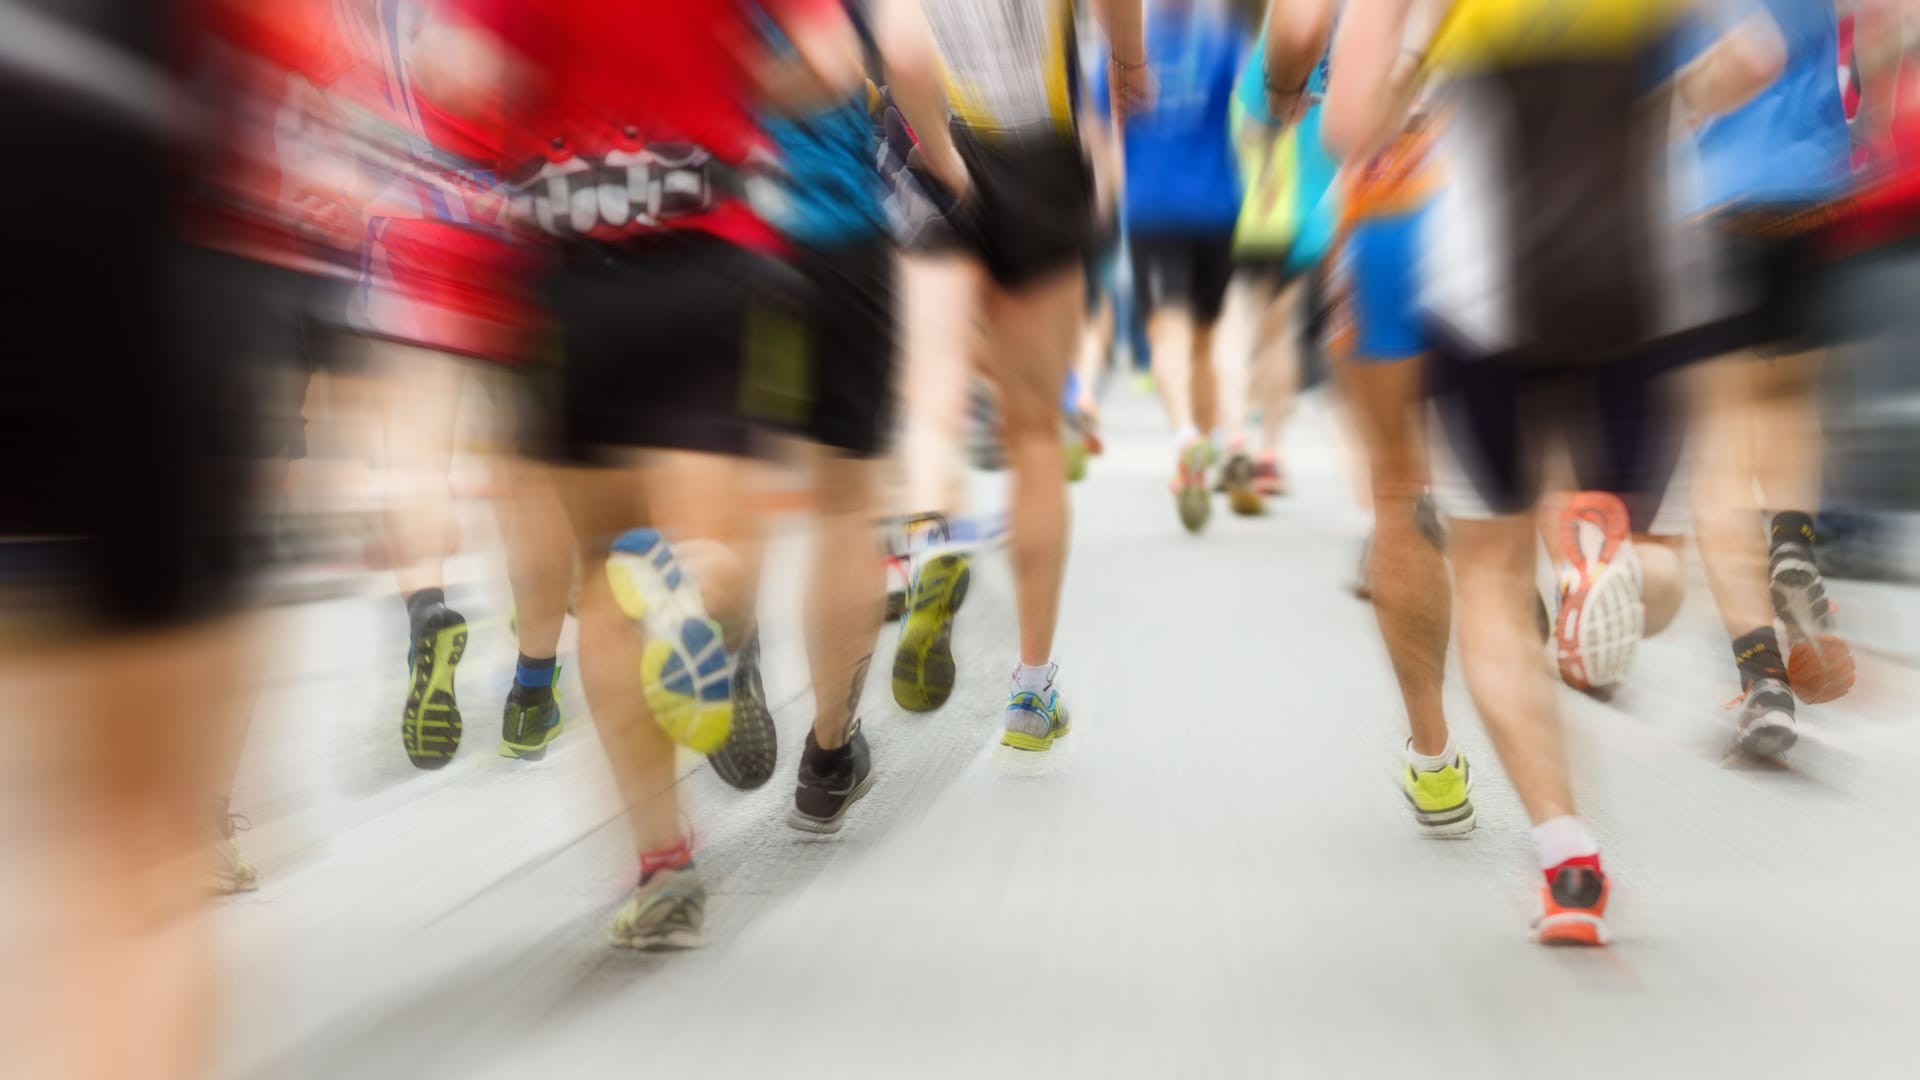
(1757, 655)
(1791, 527)
(825, 762)
(533, 679)
(420, 603)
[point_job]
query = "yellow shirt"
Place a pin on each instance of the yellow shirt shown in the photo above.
(1006, 62)
(1480, 34)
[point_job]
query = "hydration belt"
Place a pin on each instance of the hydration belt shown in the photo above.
(622, 188)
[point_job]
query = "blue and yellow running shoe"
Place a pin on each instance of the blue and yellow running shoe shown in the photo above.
(1439, 797)
(531, 720)
(923, 668)
(430, 725)
(1034, 719)
(684, 670)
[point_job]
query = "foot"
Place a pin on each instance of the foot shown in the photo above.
(1573, 907)
(752, 750)
(230, 873)
(531, 720)
(1439, 797)
(1269, 480)
(1601, 619)
(1237, 478)
(1766, 726)
(830, 783)
(1819, 664)
(665, 911)
(430, 725)
(684, 669)
(1035, 718)
(1189, 486)
(923, 668)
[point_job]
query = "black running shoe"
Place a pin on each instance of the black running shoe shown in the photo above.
(530, 721)
(827, 790)
(430, 726)
(748, 758)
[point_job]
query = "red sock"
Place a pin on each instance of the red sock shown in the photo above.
(679, 855)
(1591, 862)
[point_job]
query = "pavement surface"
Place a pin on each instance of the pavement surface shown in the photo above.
(1214, 876)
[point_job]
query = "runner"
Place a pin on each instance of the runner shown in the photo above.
(1285, 228)
(633, 155)
(1527, 332)
(1026, 222)
(1182, 194)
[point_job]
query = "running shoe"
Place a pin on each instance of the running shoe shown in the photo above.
(1819, 664)
(825, 793)
(1601, 619)
(1190, 492)
(1237, 478)
(985, 448)
(923, 669)
(530, 721)
(1268, 479)
(684, 670)
(665, 911)
(1573, 907)
(230, 873)
(1075, 446)
(1034, 720)
(1439, 797)
(748, 757)
(430, 727)
(1766, 726)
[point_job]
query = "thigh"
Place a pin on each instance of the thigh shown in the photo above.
(1212, 270)
(1626, 428)
(1033, 334)
(851, 337)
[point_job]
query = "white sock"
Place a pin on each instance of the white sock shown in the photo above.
(1185, 435)
(1033, 678)
(1432, 762)
(1562, 838)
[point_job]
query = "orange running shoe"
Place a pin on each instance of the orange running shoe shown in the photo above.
(1819, 664)
(1573, 906)
(1601, 619)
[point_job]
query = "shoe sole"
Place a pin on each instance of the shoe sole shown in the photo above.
(1599, 629)
(685, 674)
(1576, 928)
(1768, 737)
(751, 754)
(672, 941)
(923, 667)
(1038, 744)
(530, 751)
(1242, 499)
(829, 826)
(1453, 821)
(1820, 665)
(430, 727)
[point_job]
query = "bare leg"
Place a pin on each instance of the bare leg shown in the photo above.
(540, 552)
(1234, 343)
(1506, 670)
(940, 309)
(1277, 365)
(1034, 330)
(1726, 519)
(422, 405)
(1170, 335)
(846, 591)
(1206, 384)
(1786, 432)
(1411, 595)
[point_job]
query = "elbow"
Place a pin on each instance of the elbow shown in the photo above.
(1345, 128)
(1761, 58)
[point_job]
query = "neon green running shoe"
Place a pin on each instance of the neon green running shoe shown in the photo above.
(923, 668)
(666, 911)
(1439, 797)
(530, 721)
(1035, 719)
(685, 672)
(430, 726)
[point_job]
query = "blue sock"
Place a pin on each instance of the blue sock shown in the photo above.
(534, 674)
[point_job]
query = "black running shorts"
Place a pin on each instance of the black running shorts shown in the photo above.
(1029, 212)
(851, 319)
(1189, 271)
(682, 343)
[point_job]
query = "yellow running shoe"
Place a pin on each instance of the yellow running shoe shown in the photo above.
(685, 672)
(1034, 719)
(923, 669)
(1439, 797)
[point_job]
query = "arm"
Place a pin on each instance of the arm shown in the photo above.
(1130, 87)
(915, 83)
(821, 65)
(1296, 37)
(1882, 31)
(1742, 63)
(1360, 109)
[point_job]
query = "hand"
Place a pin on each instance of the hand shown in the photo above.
(950, 173)
(1130, 90)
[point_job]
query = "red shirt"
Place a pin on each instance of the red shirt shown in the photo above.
(619, 77)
